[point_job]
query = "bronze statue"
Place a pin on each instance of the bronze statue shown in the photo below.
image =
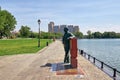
(66, 42)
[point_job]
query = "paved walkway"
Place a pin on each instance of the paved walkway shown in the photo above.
(39, 66)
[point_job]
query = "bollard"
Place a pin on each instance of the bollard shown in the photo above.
(82, 52)
(94, 60)
(73, 52)
(46, 43)
(102, 65)
(114, 74)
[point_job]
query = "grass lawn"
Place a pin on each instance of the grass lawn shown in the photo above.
(21, 46)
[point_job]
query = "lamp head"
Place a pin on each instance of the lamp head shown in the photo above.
(39, 21)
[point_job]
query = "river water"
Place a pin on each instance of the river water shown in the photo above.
(106, 50)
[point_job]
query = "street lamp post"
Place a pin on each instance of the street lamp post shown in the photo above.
(39, 33)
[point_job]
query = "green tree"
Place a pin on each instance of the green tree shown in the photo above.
(117, 35)
(109, 35)
(78, 34)
(25, 31)
(97, 35)
(33, 34)
(44, 35)
(89, 34)
(112, 34)
(47, 35)
(58, 35)
(7, 23)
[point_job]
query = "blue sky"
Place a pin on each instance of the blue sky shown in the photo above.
(94, 15)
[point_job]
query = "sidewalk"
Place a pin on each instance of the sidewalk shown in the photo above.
(41, 66)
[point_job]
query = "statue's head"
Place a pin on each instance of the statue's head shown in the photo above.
(65, 29)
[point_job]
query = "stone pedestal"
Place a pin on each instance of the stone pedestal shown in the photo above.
(73, 52)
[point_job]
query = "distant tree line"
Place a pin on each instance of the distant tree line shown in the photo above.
(25, 32)
(100, 35)
(97, 35)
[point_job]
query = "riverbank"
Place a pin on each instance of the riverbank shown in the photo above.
(42, 66)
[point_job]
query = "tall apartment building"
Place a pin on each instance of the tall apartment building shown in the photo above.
(76, 29)
(56, 29)
(60, 28)
(50, 27)
(71, 28)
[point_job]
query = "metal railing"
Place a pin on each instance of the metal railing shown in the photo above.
(112, 72)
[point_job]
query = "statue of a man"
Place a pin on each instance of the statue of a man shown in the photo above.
(66, 42)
